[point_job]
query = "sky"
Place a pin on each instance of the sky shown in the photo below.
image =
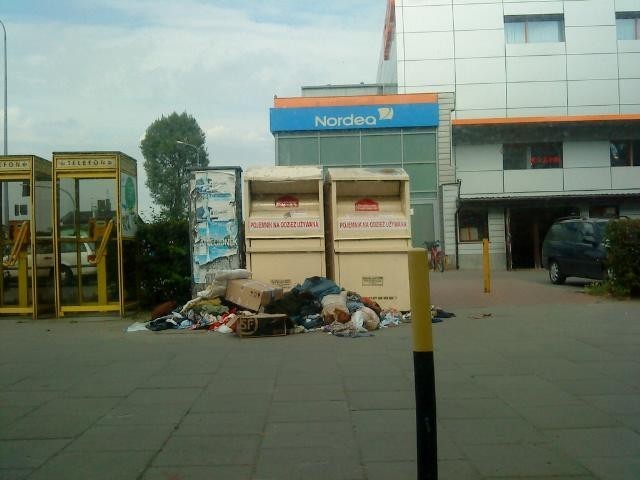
(87, 75)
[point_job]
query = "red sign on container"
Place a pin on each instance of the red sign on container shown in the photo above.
(287, 201)
(367, 205)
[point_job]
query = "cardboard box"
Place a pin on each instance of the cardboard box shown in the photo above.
(263, 325)
(251, 294)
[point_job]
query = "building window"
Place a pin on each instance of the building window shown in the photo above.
(340, 151)
(624, 153)
(603, 211)
(628, 25)
(473, 224)
(298, 151)
(382, 148)
(20, 210)
(534, 28)
(521, 156)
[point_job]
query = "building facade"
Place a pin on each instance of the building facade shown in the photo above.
(359, 126)
(544, 105)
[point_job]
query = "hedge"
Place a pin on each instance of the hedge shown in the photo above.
(164, 262)
(622, 238)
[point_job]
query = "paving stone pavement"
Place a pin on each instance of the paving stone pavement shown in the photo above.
(546, 387)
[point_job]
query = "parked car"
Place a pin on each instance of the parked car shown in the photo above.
(68, 261)
(573, 247)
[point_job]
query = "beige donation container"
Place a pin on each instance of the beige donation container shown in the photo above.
(284, 224)
(370, 233)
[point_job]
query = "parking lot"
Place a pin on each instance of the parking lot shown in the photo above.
(533, 381)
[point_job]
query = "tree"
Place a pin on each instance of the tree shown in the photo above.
(167, 162)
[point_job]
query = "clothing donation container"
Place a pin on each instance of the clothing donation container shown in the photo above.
(284, 224)
(370, 233)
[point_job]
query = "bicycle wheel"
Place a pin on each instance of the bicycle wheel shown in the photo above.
(432, 262)
(440, 263)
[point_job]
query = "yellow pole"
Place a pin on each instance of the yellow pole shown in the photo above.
(23, 279)
(101, 273)
(486, 265)
(423, 366)
(420, 300)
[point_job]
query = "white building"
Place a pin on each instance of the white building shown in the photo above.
(544, 99)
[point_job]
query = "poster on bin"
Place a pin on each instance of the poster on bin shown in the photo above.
(214, 222)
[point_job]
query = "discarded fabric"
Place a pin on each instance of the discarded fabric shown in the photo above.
(137, 327)
(318, 287)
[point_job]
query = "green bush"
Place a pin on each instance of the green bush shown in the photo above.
(164, 263)
(622, 238)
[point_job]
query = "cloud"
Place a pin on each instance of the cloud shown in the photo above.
(97, 83)
(229, 135)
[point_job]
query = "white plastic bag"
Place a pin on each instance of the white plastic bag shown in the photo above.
(357, 319)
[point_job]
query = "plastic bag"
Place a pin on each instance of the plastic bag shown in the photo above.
(371, 321)
(334, 308)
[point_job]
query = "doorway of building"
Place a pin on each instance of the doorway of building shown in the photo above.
(526, 229)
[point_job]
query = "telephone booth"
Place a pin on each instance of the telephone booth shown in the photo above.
(95, 214)
(25, 185)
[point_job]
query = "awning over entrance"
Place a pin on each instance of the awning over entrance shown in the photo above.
(548, 129)
(541, 202)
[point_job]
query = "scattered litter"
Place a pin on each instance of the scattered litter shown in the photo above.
(334, 308)
(163, 309)
(264, 325)
(438, 314)
(236, 303)
(390, 318)
(480, 315)
(218, 287)
(137, 327)
(224, 329)
(312, 322)
(353, 335)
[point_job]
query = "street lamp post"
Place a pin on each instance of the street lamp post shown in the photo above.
(197, 149)
(6, 148)
(5, 193)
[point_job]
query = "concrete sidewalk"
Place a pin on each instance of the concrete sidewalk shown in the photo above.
(463, 288)
(548, 386)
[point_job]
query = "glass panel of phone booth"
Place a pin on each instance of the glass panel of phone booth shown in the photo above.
(85, 208)
(15, 241)
(129, 271)
(44, 242)
(128, 219)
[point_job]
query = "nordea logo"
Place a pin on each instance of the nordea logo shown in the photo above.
(384, 113)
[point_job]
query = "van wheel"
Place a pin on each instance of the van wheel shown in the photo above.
(555, 275)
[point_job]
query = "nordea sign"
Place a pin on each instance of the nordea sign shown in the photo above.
(354, 117)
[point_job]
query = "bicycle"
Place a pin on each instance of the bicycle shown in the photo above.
(436, 256)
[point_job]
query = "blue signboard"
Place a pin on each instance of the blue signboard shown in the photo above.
(354, 117)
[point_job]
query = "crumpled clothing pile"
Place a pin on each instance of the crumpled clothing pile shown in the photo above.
(316, 304)
(220, 319)
(205, 311)
(320, 304)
